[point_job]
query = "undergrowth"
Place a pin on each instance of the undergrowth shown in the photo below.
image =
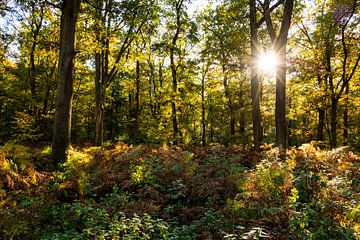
(140, 192)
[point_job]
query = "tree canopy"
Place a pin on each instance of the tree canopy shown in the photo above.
(145, 71)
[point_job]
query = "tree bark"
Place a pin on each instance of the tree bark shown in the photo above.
(242, 121)
(105, 17)
(280, 101)
(35, 30)
(178, 8)
(99, 99)
(134, 109)
(230, 102)
(99, 75)
(62, 123)
(346, 115)
(321, 124)
(321, 117)
(203, 109)
(333, 122)
(211, 121)
(255, 89)
(337, 89)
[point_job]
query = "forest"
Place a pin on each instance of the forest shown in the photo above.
(179, 119)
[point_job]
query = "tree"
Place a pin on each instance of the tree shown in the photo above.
(204, 71)
(134, 107)
(125, 25)
(226, 46)
(62, 122)
(347, 71)
(255, 85)
(279, 45)
(331, 50)
(179, 11)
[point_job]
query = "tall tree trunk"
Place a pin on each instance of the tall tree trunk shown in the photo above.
(333, 121)
(46, 99)
(280, 48)
(99, 99)
(232, 123)
(99, 75)
(346, 115)
(48, 89)
(321, 124)
(255, 89)
(242, 121)
(174, 71)
(62, 122)
(32, 76)
(203, 126)
(280, 102)
(137, 94)
(321, 119)
(230, 102)
(35, 29)
(135, 108)
(174, 114)
(211, 121)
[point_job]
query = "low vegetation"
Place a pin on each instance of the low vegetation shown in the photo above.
(121, 191)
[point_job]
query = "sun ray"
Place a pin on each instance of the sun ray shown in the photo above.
(267, 62)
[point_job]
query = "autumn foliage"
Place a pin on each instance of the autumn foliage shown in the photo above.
(122, 191)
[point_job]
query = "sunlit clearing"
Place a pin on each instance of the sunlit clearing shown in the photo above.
(267, 62)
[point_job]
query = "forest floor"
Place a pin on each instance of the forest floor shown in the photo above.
(122, 191)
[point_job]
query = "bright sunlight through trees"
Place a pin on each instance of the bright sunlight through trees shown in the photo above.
(267, 62)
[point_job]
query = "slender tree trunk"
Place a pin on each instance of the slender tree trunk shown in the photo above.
(333, 121)
(212, 132)
(321, 120)
(151, 88)
(230, 102)
(48, 89)
(174, 75)
(62, 123)
(46, 100)
(321, 124)
(99, 99)
(211, 121)
(232, 123)
(137, 94)
(35, 29)
(159, 95)
(255, 89)
(103, 22)
(346, 115)
(241, 116)
(32, 76)
(134, 108)
(174, 119)
(203, 126)
(99, 76)
(280, 102)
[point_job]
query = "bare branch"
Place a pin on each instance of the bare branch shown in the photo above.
(345, 50)
(272, 8)
(53, 4)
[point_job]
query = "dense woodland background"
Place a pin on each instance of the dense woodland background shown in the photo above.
(135, 59)
(172, 115)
